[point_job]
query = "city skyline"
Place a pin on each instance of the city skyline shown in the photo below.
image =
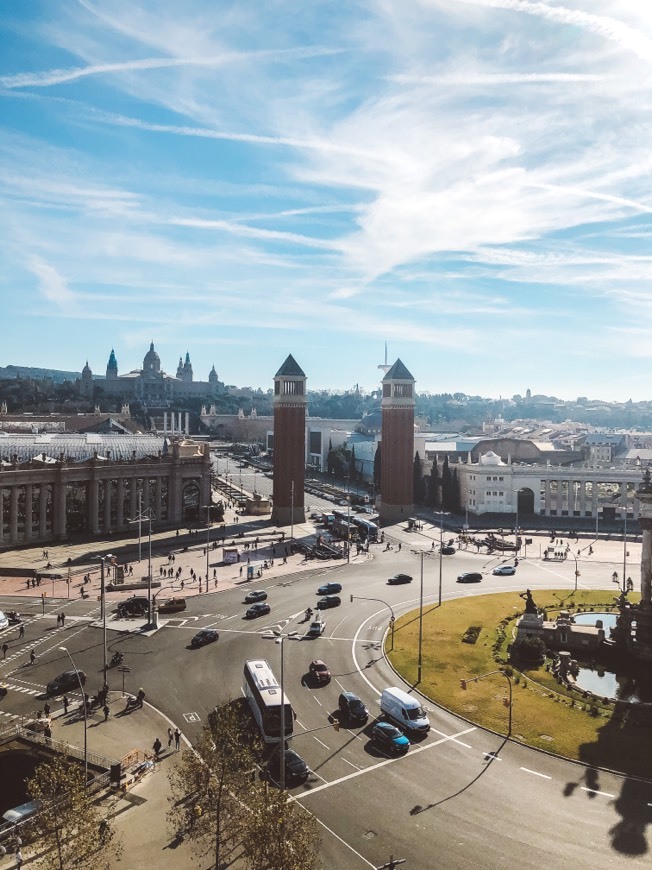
(467, 181)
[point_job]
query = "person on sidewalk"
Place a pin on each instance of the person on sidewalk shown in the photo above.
(170, 737)
(32, 657)
(65, 705)
(19, 859)
(5, 647)
(63, 619)
(157, 748)
(105, 710)
(177, 739)
(46, 709)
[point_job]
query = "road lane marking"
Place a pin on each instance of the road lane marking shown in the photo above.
(536, 773)
(459, 742)
(318, 701)
(492, 755)
(380, 764)
(595, 791)
(356, 766)
(321, 743)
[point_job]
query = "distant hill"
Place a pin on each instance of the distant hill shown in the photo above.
(54, 375)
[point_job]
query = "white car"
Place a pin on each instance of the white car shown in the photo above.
(316, 628)
(503, 570)
(4, 621)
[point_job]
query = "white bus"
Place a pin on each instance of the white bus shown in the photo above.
(263, 692)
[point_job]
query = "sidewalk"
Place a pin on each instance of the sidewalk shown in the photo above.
(140, 811)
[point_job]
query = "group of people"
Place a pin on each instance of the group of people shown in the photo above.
(172, 735)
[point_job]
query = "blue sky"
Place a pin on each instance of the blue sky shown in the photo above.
(468, 180)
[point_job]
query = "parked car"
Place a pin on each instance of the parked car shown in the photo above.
(367, 510)
(390, 737)
(342, 502)
(448, 551)
(329, 601)
(257, 610)
(4, 621)
(172, 605)
(137, 605)
(316, 628)
(504, 570)
(352, 709)
(255, 595)
(329, 588)
(16, 816)
(470, 577)
(204, 636)
(399, 578)
(320, 672)
(296, 768)
(66, 682)
(14, 617)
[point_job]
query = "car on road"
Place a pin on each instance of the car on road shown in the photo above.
(255, 595)
(316, 628)
(320, 672)
(399, 578)
(259, 609)
(367, 510)
(342, 501)
(4, 621)
(447, 550)
(390, 737)
(172, 605)
(137, 605)
(296, 769)
(504, 570)
(470, 577)
(204, 636)
(66, 682)
(329, 601)
(329, 588)
(352, 710)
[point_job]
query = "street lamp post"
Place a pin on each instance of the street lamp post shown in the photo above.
(625, 549)
(441, 515)
(81, 688)
(105, 669)
(392, 618)
(420, 659)
(208, 507)
(280, 638)
(577, 573)
(147, 515)
(348, 523)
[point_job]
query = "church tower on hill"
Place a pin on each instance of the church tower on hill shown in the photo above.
(397, 444)
(289, 443)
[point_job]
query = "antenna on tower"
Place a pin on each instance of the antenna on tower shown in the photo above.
(384, 367)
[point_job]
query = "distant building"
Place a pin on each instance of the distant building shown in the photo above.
(150, 384)
(289, 443)
(397, 447)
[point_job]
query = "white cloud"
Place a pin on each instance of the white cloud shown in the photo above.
(52, 285)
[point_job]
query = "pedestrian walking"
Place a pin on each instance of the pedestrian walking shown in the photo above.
(170, 737)
(19, 858)
(32, 657)
(157, 748)
(183, 583)
(58, 620)
(46, 709)
(105, 710)
(63, 619)
(177, 739)
(5, 647)
(21, 631)
(65, 704)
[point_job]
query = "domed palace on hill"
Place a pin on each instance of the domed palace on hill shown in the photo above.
(150, 384)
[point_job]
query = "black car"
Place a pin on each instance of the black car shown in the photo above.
(470, 577)
(204, 636)
(448, 550)
(399, 578)
(66, 682)
(137, 605)
(296, 769)
(329, 588)
(329, 601)
(352, 709)
(259, 609)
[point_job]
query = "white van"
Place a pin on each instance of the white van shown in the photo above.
(405, 710)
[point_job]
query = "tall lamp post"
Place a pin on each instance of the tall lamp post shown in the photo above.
(81, 688)
(207, 508)
(280, 638)
(102, 560)
(441, 515)
(420, 660)
(392, 618)
(147, 515)
(625, 548)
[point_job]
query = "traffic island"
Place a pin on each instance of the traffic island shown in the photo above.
(466, 639)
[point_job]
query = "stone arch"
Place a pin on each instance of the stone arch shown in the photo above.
(525, 501)
(190, 497)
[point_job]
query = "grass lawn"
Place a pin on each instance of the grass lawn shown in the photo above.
(544, 714)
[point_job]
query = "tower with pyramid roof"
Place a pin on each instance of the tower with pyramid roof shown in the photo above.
(289, 443)
(397, 444)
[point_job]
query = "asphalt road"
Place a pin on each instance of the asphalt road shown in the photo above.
(462, 798)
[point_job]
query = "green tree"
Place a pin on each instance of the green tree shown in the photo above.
(279, 833)
(433, 483)
(72, 831)
(210, 785)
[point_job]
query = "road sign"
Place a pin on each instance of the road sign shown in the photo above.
(124, 669)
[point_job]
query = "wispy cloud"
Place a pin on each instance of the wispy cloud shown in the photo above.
(52, 285)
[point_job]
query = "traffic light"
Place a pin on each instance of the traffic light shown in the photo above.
(462, 684)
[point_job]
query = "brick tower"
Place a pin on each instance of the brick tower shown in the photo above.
(397, 444)
(289, 443)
